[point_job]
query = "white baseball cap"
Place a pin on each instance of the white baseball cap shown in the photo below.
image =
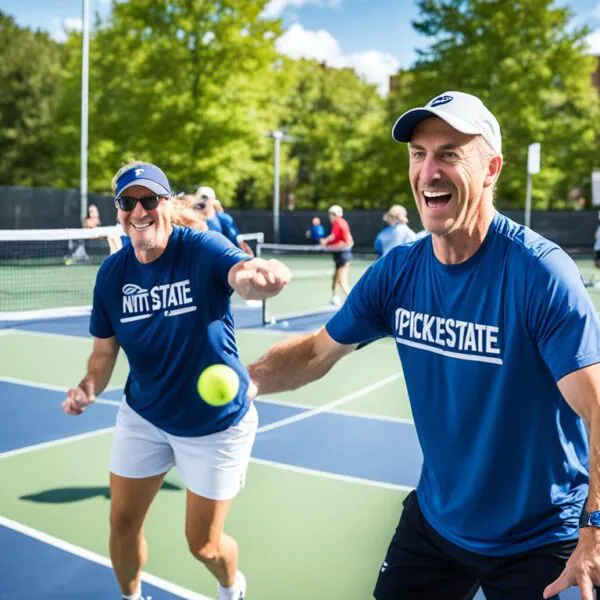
(336, 210)
(206, 192)
(464, 112)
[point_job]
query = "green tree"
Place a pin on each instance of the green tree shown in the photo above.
(30, 66)
(332, 112)
(184, 83)
(529, 64)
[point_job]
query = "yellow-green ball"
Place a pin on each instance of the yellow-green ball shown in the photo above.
(218, 385)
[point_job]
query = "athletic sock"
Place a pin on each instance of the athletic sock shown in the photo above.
(230, 593)
(136, 596)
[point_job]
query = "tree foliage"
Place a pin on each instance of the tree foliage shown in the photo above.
(176, 83)
(531, 68)
(30, 65)
(195, 86)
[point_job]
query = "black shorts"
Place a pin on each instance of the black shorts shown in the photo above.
(422, 565)
(597, 255)
(342, 258)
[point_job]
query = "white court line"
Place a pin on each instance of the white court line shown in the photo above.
(167, 586)
(259, 461)
(308, 407)
(59, 442)
(282, 466)
(113, 388)
(335, 476)
(48, 334)
(326, 407)
(345, 413)
(58, 388)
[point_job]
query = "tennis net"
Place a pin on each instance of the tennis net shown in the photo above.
(50, 273)
(309, 291)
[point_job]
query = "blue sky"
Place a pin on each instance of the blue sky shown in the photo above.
(373, 36)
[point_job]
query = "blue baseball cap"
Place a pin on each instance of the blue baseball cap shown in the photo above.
(146, 175)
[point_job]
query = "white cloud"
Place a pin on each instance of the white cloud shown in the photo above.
(373, 66)
(593, 41)
(275, 7)
(73, 24)
(61, 27)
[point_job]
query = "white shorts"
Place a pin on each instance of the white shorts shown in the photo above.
(212, 466)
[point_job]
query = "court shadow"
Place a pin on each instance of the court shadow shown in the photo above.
(75, 494)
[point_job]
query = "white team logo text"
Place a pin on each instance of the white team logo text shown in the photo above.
(450, 337)
(139, 303)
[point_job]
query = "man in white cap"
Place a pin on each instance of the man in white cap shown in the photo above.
(500, 348)
(214, 214)
(396, 233)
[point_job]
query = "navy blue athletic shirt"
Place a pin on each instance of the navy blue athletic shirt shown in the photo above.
(172, 318)
(482, 345)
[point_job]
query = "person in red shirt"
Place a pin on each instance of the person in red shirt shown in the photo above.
(340, 242)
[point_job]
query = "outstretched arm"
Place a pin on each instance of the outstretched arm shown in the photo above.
(297, 361)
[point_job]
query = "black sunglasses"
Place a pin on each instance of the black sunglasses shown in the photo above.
(128, 203)
(200, 205)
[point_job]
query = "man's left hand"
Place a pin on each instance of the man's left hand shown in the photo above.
(258, 279)
(582, 568)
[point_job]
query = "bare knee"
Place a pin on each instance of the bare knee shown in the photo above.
(205, 551)
(124, 524)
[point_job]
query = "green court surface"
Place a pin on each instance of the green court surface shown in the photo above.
(310, 287)
(303, 534)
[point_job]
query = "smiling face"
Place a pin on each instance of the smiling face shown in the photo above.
(452, 177)
(149, 230)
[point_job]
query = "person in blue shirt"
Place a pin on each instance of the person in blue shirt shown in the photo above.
(214, 214)
(164, 299)
(316, 232)
(396, 233)
(500, 347)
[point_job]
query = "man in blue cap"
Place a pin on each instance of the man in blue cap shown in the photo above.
(500, 347)
(164, 299)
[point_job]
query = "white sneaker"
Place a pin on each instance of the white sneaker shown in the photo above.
(336, 300)
(241, 585)
(240, 589)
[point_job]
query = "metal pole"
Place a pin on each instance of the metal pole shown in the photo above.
(528, 201)
(277, 135)
(85, 59)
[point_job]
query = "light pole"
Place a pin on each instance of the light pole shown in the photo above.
(533, 168)
(85, 63)
(278, 137)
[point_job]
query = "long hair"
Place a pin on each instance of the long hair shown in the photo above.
(186, 215)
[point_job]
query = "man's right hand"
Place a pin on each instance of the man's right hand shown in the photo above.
(78, 399)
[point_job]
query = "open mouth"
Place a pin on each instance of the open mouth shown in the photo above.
(437, 199)
(141, 226)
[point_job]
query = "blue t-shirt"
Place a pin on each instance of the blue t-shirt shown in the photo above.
(482, 345)
(393, 236)
(317, 232)
(225, 224)
(214, 223)
(172, 318)
(228, 227)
